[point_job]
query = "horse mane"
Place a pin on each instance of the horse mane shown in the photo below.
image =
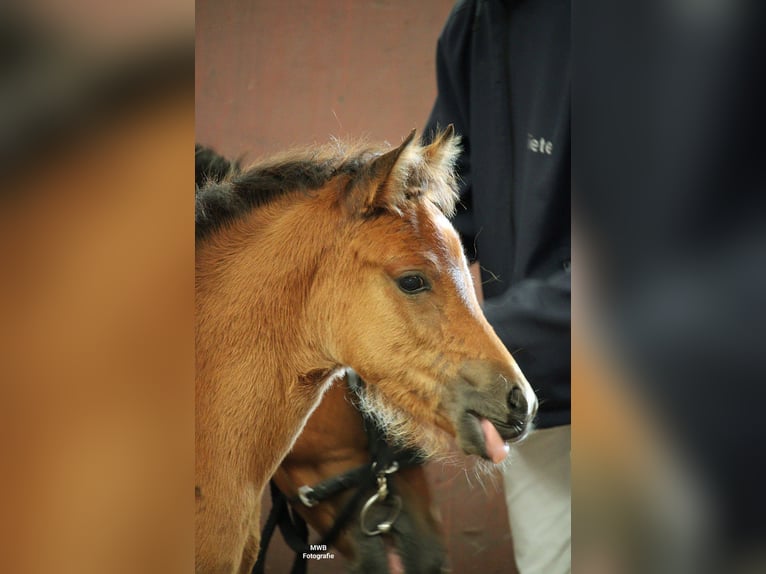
(225, 192)
(210, 166)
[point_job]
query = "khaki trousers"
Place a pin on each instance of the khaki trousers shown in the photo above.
(538, 496)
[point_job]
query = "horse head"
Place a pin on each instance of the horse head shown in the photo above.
(398, 306)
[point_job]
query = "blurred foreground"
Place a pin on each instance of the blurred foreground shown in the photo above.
(96, 243)
(669, 316)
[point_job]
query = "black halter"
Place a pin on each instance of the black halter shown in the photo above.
(385, 459)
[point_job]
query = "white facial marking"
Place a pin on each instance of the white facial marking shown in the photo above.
(459, 274)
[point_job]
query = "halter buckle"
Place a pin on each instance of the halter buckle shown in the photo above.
(379, 497)
(305, 493)
(391, 469)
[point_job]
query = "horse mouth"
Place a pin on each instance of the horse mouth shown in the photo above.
(490, 437)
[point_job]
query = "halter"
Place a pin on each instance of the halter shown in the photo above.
(385, 460)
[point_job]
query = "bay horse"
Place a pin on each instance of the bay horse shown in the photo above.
(315, 262)
(330, 459)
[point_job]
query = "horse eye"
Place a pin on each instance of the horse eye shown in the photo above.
(412, 283)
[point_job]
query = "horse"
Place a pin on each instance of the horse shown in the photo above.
(332, 453)
(319, 261)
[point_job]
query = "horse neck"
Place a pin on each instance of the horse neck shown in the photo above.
(260, 365)
(333, 440)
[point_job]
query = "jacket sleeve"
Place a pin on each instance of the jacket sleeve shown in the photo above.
(453, 57)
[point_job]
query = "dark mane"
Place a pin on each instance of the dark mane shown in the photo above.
(209, 165)
(225, 192)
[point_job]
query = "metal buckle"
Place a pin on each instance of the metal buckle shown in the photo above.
(379, 497)
(305, 493)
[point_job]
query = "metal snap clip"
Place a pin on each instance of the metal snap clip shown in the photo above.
(390, 470)
(385, 526)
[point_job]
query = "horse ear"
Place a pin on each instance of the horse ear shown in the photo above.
(440, 157)
(386, 184)
(443, 151)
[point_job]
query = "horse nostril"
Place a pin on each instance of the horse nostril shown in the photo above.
(517, 401)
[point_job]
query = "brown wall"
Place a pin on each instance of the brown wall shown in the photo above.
(270, 75)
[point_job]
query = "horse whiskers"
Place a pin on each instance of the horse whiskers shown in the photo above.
(480, 480)
(400, 426)
(485, 468)
(450, 459)
(467, 478)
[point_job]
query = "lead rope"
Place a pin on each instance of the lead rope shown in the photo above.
(293, 528)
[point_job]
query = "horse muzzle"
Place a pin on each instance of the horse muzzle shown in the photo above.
(493, 408)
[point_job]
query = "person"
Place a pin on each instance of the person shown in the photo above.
(503, 80)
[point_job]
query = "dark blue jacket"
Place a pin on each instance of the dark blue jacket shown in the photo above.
(503, 75)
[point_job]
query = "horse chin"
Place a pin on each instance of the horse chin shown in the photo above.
(404, 429)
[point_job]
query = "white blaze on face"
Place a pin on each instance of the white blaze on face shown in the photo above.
(459, 274)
